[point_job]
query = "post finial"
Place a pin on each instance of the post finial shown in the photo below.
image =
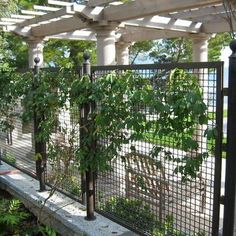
(86, 55)
(36, 60)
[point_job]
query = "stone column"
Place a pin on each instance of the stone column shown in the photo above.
(106, 51)
(122, 53)
(200, 49)
(200, 54)
(35, 50)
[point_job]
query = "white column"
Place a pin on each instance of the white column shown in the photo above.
(200, 54)
(122, 53)
(106, 50)
(35, 50)
(200, 49)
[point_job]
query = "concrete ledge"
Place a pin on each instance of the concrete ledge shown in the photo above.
(63, 214)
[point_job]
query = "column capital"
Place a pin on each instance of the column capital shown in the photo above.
(104, 28)
(122, 52)
(123, 44)
(200, 37)
(200, 47)
(32, 40)
(105, 34)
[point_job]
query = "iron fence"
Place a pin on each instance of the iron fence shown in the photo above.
(136, 192)
(139, 194)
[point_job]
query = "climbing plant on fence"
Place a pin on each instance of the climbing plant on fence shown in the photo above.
(177, 110)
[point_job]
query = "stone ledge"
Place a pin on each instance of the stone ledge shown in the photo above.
(62, 213)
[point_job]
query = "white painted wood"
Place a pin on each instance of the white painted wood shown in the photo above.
(48, 16)
(134, 34)
(197, 12)
(57, 27)
(46, 8)
(211, 18)
(94, 3)
(171, 24)
(76, 35)
(21, 16)
(11, 20)
(87, 12)
(140, 8)
(35, 13)
(25, 32)
(217, 26)
(59, 3)
(6, 23)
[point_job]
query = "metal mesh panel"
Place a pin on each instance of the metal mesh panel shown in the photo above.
(16, 143)
(62, 168)
(151, 199)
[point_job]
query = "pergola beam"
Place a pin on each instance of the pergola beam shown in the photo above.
(200, 12)
(25, 32)
(76, 35)
(57, 27)
(46, 8)
(172, 24)
(59, 3)
(94, 3)
(24, 17)
(218, 26)
(140, 8)
(134, 34)
(47, 17)
(34, 13)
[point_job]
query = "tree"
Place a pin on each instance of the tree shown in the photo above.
(216, 44)
(68, 53)
(63, 53)
(179, 49)
(140, 47)
(171, 50)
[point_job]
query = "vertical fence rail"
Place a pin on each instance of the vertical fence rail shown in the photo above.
(84, 116)
(230, 179)
(40, 147)
(218, 151)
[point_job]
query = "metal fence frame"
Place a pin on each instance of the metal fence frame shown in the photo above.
(90, 191)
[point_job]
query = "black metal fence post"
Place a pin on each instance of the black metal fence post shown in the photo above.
(40, 147)
(230, 179)
(88, 178)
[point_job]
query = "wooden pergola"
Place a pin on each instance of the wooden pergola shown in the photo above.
(116, 25)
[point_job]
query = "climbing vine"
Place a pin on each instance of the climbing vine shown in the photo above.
(114, 104)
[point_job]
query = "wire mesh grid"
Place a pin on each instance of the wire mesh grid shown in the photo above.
(152, 199)
(62, 167)
(16, 142)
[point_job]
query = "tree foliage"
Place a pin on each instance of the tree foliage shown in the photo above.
(178, 49)
(171, 50)
(177, 109)
(216, 44)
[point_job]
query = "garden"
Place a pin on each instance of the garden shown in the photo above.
(139, 144)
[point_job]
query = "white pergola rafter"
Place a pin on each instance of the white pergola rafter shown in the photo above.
(159, 19)
(140, 8)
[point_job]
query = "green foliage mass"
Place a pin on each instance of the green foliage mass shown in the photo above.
(141, 217)
(178, 49)
(171, 50)
(178, 108)
(16, 220)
